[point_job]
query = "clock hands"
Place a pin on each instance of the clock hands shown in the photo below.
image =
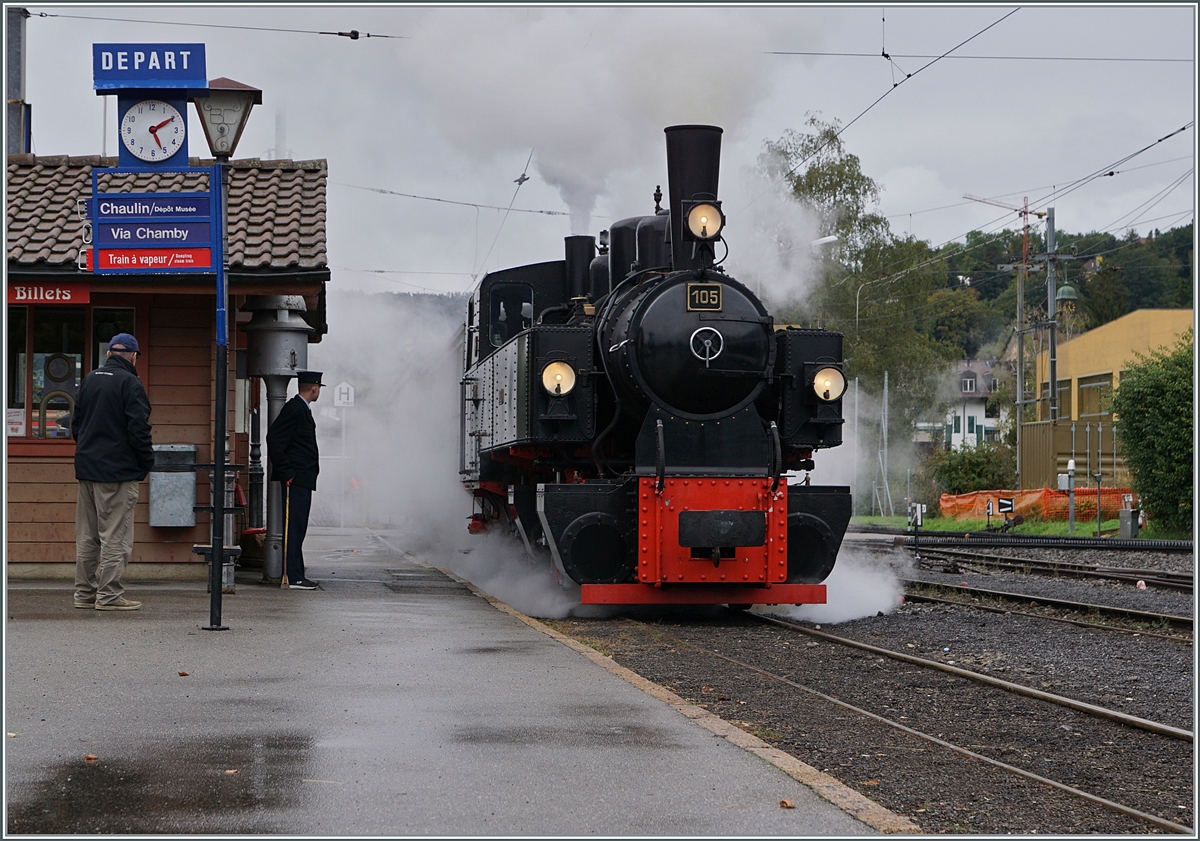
(154, 130)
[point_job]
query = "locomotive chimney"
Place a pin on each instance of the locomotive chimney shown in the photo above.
(693, 169)
(580, 251)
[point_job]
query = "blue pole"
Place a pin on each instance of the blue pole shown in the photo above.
(222, 408)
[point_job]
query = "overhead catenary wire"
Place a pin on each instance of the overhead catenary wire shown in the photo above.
(864, 112)
(980, 57)
(352, 34)
(476, 205)
(520, 182)
(1026, 191)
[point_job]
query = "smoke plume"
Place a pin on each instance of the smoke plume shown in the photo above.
(590, 112)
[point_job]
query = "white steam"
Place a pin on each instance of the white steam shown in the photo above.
(858, 587)
(772, 251)
(403, 355)
(589, 88)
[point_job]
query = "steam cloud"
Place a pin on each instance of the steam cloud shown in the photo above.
(659, 67)
(403, 355)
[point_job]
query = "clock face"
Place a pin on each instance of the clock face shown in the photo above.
(153, 130)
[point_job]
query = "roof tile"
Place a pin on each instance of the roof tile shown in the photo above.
(276, 209)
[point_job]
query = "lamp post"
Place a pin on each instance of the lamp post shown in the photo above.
(1070, 496)
(223, 113)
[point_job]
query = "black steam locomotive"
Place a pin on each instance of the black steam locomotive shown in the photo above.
(635, 411)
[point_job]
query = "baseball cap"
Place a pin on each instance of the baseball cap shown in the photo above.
(125, 342)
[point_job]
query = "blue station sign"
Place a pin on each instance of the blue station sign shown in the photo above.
(176, 206)
(153, 233)
(147, 233)
(148, 66)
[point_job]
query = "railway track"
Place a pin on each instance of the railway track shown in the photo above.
(975, 741)
(915, 590)
(1090, 709)
(977, 562)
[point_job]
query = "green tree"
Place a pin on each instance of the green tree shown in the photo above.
(1104, 298)
(830, 180)
(984, 467)
(1153, 408)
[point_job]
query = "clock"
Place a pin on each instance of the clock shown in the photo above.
(153, 130)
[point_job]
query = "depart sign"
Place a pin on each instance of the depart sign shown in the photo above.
(151, 66)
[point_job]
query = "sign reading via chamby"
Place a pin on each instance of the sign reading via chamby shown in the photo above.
(150, 66)
(138, 233)
(343, 396)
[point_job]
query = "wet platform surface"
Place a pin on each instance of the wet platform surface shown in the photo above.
(391, 701)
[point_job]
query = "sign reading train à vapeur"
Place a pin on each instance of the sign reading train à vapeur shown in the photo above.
(139, 233)
(150, 66)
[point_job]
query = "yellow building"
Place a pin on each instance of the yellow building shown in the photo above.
(1089, 368)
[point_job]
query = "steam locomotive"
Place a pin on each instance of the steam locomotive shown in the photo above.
(634, 411)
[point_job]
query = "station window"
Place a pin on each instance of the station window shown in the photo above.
(106, 323)
(511, 311)
(48, 353)
(970, 424)
(957, 424)
(1095, 395)
(968, 385)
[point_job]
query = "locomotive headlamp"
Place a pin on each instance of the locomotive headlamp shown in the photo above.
(558, 378)
(704, 220)
(829, 383)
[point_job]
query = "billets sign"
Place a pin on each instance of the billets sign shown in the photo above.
(139, 233)
(1006, 504)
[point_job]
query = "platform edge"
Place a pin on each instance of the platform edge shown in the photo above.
(826, 787)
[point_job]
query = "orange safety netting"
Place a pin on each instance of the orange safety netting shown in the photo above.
(1040, 504)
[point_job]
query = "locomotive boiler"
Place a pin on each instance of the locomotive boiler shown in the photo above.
(635, 412)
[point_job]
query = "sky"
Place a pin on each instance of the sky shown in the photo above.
(462, 100)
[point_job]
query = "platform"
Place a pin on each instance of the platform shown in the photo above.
(392, 701)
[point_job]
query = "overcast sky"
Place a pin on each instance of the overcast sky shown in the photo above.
(454, 108)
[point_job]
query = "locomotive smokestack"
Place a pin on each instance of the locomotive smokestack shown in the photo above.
(693, 169)
(580, 251)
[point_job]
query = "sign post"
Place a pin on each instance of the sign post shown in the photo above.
(170, 232)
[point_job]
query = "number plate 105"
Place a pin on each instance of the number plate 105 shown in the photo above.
(704, 297)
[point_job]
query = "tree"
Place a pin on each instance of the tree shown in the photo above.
(1153, 408)
(1104, 298)
(823, 175)
(984, 467)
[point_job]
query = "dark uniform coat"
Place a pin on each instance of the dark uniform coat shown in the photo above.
(111, 425)
(292, 445)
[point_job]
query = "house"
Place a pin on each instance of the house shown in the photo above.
(61, 315)
(1089, 369)
(970, 420)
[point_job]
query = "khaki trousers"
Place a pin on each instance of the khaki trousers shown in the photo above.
(103, 539)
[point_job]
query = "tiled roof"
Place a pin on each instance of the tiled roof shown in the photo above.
(276, 208)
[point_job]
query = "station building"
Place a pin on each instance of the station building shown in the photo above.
(60, 317)
(1089, 369)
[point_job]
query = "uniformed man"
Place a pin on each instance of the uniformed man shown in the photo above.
(292, 449)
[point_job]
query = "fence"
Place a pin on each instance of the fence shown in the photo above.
(1040, 504)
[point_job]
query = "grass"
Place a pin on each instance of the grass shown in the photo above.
(1083, 528)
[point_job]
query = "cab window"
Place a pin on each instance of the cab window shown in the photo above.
(511, 311)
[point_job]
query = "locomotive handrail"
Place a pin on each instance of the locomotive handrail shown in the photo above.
(660, 460)
(776, 457)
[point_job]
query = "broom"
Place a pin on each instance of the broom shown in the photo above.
(287, 520)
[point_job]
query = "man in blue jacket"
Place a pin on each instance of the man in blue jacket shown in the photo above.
(113, 453)
(295, 461)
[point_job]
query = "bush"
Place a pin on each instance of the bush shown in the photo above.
(984, 467)
(1153, 407)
